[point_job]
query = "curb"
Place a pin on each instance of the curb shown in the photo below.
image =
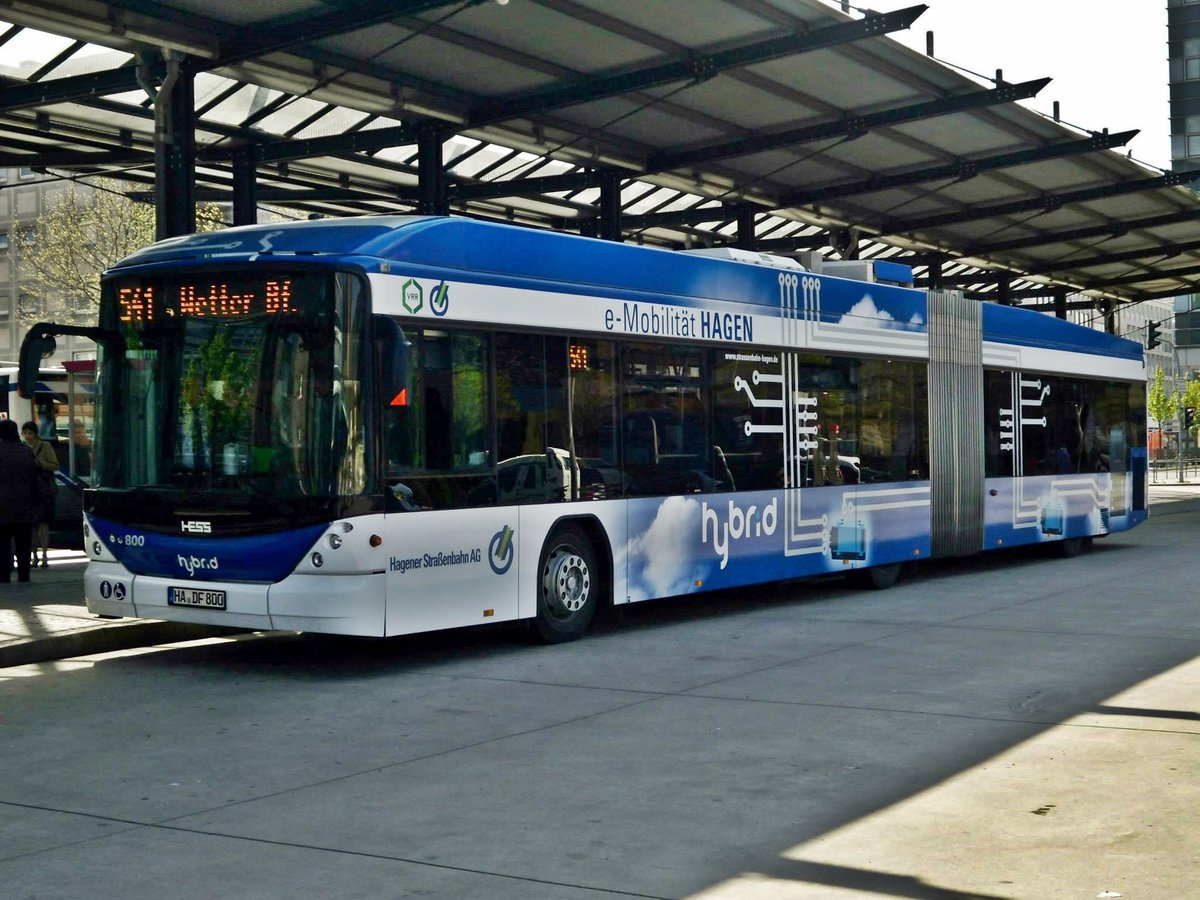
(1170, 507)
(105, 639)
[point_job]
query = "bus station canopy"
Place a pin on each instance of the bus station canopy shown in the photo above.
(778, 125)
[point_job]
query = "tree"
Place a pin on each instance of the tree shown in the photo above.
(1191, 400)
(1158, 403)
(81, 234)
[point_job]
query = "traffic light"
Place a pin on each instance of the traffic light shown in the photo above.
(1152, 335)
(1189, 416)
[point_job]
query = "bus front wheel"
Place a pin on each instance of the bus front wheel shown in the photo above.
(568, 586)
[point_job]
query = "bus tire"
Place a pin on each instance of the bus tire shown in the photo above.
(568, 586)
(877, 578)
(1068, 548)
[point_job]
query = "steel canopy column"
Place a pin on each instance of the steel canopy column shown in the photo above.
(746, 238)
(431, 175)
(1004, 291)
(609, 226)
(245, 187)
(175, 152)
(1110, 317)
(845, 242)
(1060, 302)
(934, 273)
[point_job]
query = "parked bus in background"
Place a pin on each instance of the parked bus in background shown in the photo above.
(60, 406)
(389, 425)
(46, 406)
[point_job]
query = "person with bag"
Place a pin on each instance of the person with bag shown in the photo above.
(47, 460)
(18, 501)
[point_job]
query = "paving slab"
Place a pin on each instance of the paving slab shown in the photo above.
(1103, 805)
(151, 862)
(1005, 727)
(46, 618)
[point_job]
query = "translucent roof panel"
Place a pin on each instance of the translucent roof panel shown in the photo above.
(801, 113)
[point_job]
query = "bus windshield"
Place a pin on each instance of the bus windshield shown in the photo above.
(235, 382)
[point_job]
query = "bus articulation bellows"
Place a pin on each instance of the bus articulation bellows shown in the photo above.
(390, 425)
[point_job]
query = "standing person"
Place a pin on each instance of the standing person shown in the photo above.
(47, 462)
(18, 500)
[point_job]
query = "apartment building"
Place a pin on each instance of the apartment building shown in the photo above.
(24, 196)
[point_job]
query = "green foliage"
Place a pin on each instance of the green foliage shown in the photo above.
(218, 387)
(1165, 407)
(232, 415)
(1191, 399)
(1159, 403)
(81, 234)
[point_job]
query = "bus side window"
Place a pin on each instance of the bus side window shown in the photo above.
(521, 426)
(747, 436)
(437, 443)
(47, 417)
(587, 396)
(665, 427)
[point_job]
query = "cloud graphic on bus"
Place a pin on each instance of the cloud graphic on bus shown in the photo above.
(866, 313)
(660, 562)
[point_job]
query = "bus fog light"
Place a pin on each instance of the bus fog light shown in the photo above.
(95, 548)
(317, 561)
(335, 541)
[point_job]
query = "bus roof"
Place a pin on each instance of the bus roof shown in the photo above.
(469, 245)
(1013, 325)
(509, 251)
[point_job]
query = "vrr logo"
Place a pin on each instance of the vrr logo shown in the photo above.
(500, 550)
(414, 296)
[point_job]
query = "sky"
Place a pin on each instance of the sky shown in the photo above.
(1108, 58)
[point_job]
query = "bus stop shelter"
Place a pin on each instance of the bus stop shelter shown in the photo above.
(787, 126)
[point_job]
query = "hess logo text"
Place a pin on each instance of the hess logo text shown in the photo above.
(192, 527)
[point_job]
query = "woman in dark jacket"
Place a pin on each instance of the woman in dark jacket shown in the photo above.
(18, 501)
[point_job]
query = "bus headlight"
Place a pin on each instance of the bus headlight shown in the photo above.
(335, 541)
(96, 548)
(317, 561)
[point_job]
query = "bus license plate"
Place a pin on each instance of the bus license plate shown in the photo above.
(200, 597)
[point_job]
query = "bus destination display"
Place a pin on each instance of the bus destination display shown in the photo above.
(143, 303)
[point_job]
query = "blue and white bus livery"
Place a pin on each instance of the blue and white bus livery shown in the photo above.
(389, 425)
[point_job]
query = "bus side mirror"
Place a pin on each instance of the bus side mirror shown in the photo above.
(393, 349)
(39, 344)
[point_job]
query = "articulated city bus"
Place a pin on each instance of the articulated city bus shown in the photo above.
(389, 425)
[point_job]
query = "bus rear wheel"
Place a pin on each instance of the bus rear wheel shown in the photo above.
(568, 586)
(878, 578)
(1068, 548)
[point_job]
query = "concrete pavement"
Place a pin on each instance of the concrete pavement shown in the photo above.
(1004, 727)
(46, 619)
